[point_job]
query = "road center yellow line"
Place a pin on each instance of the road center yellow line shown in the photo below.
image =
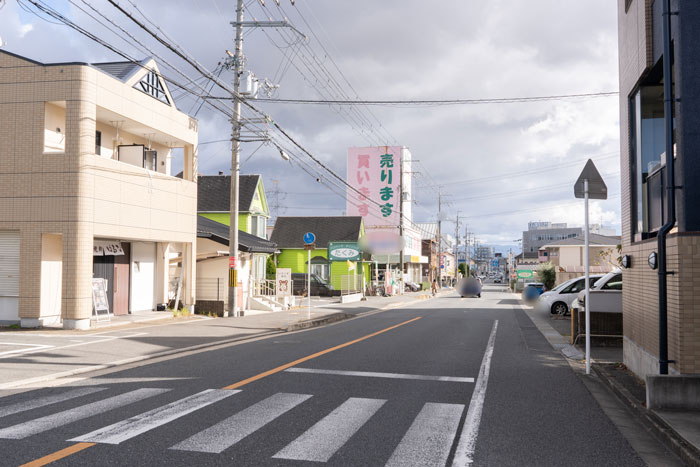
(81, 446)
(312, 356)
(58, 455)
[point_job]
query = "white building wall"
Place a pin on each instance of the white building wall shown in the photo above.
(569, 256)
(143, 271)
(51, 278)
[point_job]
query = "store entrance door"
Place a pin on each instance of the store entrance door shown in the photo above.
(121, 281)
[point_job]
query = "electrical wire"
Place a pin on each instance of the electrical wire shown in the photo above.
(442, 102)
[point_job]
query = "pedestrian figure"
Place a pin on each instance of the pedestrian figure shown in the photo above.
(434, 287)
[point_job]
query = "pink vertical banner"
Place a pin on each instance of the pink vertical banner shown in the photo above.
(375, 172)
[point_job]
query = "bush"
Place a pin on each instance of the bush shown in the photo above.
(546, 274)
(270, 267)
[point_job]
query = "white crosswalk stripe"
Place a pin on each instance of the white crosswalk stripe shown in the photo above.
(427, 442)
(429, 439)
(39, 425)
(134, 426)
(322, 440)
(47, 400)
(230, 431)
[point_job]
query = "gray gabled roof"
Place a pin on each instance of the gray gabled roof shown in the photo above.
(120, 70)
(207, 228)
(593, 239)
(289, 231)
(214, 192)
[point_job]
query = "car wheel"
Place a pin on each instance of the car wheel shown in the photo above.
(559, 308)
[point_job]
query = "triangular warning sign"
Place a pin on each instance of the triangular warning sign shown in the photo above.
(596, 185)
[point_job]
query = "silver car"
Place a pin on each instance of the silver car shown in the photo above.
(557, 300)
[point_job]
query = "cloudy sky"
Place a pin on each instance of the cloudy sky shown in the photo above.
(498, 165)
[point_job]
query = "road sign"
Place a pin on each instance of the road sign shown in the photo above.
(310, 246)
(590, 185)
(309, 238)
(596, 185)
(494, 263)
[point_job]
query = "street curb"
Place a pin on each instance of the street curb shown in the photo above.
(335, 317)
(332, 318)
(127, 361)
(688, 453)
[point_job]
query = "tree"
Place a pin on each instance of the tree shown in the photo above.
(546, 274)
(612, 257)
(462, 268)
(270, 268)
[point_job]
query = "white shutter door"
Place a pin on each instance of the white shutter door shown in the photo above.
(9, 263)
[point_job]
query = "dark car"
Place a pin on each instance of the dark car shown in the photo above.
(318, 285)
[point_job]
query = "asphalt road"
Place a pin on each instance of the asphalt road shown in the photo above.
(449, 381)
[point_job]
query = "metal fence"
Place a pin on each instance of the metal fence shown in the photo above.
(214, 288)
(350, 284)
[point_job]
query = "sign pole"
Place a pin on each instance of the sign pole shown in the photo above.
(587, 283)
(308, 289)
(589, 185)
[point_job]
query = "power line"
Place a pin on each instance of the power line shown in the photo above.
(441, 102)
(536, 170)
(541, 208)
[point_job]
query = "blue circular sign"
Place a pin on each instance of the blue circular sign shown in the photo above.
(309, 238)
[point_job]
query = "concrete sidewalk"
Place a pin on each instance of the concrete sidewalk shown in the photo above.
(35, 358)
(679, 430)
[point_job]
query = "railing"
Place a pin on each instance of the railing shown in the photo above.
(264, 287)
(350, 284)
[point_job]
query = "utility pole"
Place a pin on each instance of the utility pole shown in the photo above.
(457, 237)
(403, 244)
(235, 165)
(236, 125)
(466, 250)
(439, 245)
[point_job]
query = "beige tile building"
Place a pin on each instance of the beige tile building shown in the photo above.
(643, 164)
(86, 191)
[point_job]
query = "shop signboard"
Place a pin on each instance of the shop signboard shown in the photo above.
(344, 251)
(526, 274)
(374, 177)
(283, 282)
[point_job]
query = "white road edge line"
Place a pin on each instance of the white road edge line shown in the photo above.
(32, 348)
(372, 374)
(464, 454)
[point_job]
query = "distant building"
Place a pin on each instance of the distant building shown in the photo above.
(483, 253)
(542, 233)
(568, 256)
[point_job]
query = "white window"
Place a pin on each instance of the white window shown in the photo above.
(151, 85)
(258, 226)
(321, 270)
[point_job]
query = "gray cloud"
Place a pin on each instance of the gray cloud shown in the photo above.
(406, 49)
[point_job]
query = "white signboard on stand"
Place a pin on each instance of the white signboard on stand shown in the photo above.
(283, 282)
